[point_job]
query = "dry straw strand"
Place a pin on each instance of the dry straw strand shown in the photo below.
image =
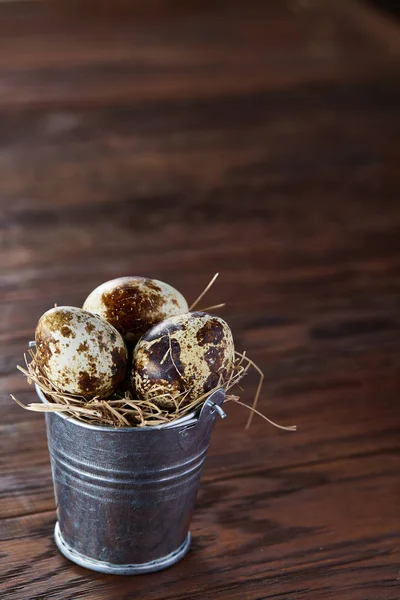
(254, 411)
(204, 292)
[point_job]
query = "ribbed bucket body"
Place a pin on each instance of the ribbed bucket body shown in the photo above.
(125, 496)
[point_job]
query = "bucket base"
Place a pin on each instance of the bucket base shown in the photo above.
(105, 567)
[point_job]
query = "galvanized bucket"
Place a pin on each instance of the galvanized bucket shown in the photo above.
(125, 496)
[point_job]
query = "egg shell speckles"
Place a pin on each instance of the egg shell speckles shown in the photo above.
(80, 353)
(134, 304)
(183, 356)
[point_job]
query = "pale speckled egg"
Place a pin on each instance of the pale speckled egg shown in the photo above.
(134, 304)
(183, 356)
(80, 353)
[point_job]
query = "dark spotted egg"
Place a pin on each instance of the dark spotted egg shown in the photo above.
(181, 358)
(80, 353)
(134, 304)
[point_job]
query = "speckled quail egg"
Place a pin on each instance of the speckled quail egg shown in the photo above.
(181, 358)
(134, 304)
(80, 353)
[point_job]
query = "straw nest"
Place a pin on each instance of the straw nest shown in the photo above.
(123, 410)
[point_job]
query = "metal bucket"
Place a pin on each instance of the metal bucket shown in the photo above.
(125, 496)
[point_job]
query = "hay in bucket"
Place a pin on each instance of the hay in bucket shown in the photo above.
(126, 411)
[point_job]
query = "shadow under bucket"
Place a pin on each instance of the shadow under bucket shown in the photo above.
(125, 496)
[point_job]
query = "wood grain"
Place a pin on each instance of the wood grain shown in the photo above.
(173, 140)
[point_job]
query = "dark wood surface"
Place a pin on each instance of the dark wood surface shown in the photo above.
(173, 140)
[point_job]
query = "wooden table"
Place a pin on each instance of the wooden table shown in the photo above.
(174, 140)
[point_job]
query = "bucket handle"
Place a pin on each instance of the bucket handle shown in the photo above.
(213, 404)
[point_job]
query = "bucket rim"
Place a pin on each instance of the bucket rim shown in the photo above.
(190, 419)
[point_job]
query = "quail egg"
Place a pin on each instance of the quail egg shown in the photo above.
(134, 304)
(181, 358)
(80, 353)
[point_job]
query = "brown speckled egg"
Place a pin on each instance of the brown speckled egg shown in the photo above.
(134, 304)
(80, 353)
(183, 357)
